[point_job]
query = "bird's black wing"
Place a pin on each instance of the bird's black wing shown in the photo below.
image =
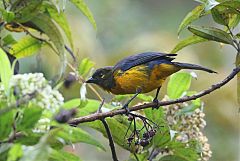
(142, 58)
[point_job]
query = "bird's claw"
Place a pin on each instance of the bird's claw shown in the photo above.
(156, 106)
(126, 109)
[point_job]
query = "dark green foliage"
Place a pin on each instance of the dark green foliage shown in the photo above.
(44, 17)
(61, 155)
(29, 118)
(211, 33)
(172, 158)
(6, 121)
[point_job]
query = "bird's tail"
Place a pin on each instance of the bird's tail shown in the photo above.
(193, 66)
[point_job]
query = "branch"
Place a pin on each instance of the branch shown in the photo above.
(12, 138)
(70, 52)
(99, 116)
(4, 4)
(154, 153)
(110, 138)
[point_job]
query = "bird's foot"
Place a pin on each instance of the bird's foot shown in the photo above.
(156, 106)
(126, 109)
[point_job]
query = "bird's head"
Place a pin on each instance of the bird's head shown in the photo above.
(103, 77)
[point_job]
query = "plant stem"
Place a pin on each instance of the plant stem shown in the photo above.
(110, 138)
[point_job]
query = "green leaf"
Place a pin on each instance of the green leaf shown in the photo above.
(184, 152)
(72, 103)
(222, 13)
(145, 97)
(188, 41)
(187, 153)
(31, 115)
(40, 151)
(85, 65)
(77, 135)
(29, 11)
(5, 70)
(227, 13)
(15, 152)
(190, 17)
(46, 25)
(80, 4)
(234, 20)
(178, 84)
(87, 107)
(30, 138)
(233, 6)
(141, 157)
(8, 16)
(27, 46)
(172, 158)
(6, 121)
(162, 138)
(219, 17)
(211, 33)
(118, 131)
(121, 98)
(61, 20)
(156, 115)
(8, 40)
(238, 35)
(61, 155)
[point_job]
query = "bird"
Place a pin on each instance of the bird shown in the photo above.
(139, 73)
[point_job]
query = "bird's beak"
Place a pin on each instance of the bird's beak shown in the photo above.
(91, 80)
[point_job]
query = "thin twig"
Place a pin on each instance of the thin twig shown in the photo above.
(235, 43)
(111, 143)
(143, 118)
(12, 138)
(100, 106)
(154, 153)
(70, 52)
(109, 135)
(4, 4)
(99, 116)
(136, 157)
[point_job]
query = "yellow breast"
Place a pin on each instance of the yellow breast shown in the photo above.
(141, 77)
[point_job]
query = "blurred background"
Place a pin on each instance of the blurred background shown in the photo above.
(132, 26)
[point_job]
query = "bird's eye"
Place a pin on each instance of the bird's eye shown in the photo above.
(101, 75)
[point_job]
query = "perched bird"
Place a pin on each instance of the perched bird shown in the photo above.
(140, 73)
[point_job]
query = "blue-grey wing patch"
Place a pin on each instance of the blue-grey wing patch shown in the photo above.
(142, 58)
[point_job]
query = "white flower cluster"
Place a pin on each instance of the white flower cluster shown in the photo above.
(46, 97)
(189, 126)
